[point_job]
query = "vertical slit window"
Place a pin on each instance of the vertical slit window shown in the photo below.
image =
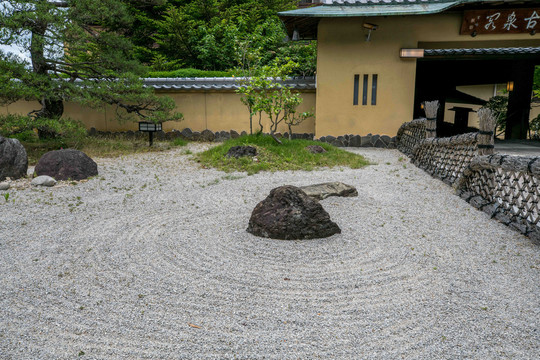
(374, 89)
(365, 90)
(355, 89)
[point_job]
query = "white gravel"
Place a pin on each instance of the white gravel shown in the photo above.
(151, 260)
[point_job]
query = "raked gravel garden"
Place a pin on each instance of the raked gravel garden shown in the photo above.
(151, 260)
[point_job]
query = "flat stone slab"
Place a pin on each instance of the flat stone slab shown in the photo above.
(4, 186)
(324, 190)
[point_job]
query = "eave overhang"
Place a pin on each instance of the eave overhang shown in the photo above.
(364, 9)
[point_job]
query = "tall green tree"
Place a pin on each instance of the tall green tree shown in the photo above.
(210, 34)
(77, 53)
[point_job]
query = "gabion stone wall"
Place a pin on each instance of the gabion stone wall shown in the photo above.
(446, 158)
(505, 187)
(410, 134)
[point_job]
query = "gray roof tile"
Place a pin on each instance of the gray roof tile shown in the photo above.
(224, 83)
(483, 51)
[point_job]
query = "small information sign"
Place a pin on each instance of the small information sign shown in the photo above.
(499, 21)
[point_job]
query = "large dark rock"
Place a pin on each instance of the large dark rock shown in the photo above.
(66, 164)
(13, 159)
(187, 133)
(207, 135)
(239, 151)
(289, 214)
(355, 141)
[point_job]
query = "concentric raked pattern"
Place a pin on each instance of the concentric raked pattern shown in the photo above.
(151, 260)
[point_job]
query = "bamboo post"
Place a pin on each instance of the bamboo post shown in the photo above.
(486, 138)
(431, 108)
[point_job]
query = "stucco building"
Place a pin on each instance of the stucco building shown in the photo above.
(378, 60)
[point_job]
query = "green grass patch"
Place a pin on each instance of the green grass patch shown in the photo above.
(271, 156)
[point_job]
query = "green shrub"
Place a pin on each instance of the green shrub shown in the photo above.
(65, 128)
(12, 124)
(22, 127)
(179, 142)
(188, 73)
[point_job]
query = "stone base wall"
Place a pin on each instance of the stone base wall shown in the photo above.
(369, 140)
(379, 141)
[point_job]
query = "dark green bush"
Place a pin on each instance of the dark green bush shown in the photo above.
(12, 124)
(22, 127)
(189, 73)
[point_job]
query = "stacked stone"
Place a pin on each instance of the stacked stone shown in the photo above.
(410, 134)
(378, 141)
(505, 187)
(370, 140)
(446, 158)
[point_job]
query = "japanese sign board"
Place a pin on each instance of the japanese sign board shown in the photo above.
(507, 21)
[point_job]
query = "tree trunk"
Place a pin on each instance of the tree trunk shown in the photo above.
(51, 106)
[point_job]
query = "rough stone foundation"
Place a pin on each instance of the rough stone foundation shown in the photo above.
(369, 140)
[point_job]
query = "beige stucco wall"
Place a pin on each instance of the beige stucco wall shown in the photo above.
(343, 52)
(215, 111)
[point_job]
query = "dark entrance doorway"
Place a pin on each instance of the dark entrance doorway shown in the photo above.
(442, 70)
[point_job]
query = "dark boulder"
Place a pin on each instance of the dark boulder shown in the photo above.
(222, 136)
(187, 133)
(207, 135)
(355, 141)
(289, 214)
(315, 149)
(13, 159)
(239, 151)
(66, 164)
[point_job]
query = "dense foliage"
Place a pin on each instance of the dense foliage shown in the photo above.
(214, 34)
(77, 53)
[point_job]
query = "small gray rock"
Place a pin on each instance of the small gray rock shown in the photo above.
(324, 190)
(43, 180)
(234, 134)
(4, 186)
